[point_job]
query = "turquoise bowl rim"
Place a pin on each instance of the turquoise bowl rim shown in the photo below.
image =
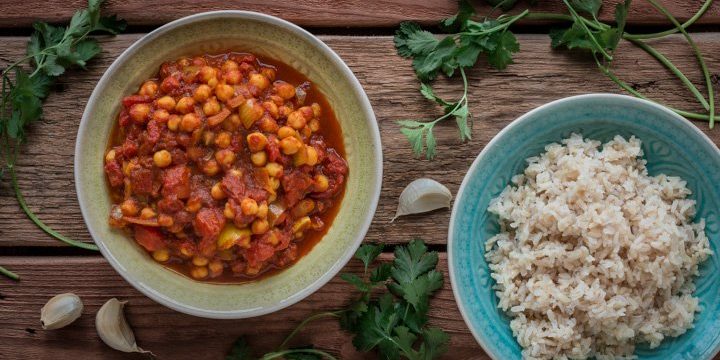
(599, 97)
(373, 192)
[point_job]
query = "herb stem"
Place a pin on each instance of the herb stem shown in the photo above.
(9, 274)
(685, 25)
(297, 329)
(698, 55)
(280, 354)
(625, 86)
(670, 66)
(36, 220)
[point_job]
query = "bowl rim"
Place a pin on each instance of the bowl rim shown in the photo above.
(374, 191)
(681, 121)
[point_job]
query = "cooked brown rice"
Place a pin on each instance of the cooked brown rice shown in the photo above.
(594, 255)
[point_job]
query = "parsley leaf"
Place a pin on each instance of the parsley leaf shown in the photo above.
(367, 253)
(505, 45)
(459, 21)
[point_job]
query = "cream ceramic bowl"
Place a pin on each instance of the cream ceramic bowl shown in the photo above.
(265, 36)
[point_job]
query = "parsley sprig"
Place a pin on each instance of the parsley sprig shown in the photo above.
(491, 36)
(27, 82)
(393, 323)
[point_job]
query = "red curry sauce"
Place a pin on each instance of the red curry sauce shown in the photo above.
(226, 168)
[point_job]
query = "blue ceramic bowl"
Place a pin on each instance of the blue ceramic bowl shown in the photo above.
(672, 145)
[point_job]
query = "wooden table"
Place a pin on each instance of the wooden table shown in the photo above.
(361, 33)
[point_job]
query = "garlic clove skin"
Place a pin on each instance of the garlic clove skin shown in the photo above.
(423, 195)
(113, 329)
(60, 311)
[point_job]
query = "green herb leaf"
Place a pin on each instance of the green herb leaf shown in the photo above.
(505, 45)
(459, 21)
(591, 7)
(411, 40)
(415, 137)
(505, 5)
(367, 253)
(435, 343)
(380, 273)
(461, 118)
(356, 281)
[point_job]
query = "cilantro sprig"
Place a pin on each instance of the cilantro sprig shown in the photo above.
(27, 82)
(492, 37)
(393, 323)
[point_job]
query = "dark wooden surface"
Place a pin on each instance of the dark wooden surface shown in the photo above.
(48, 267)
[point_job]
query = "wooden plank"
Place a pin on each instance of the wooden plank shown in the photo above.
(323, 13)
(172, 335)
(539, 75)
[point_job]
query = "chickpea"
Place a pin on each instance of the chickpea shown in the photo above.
(259, 158)
(199, 61)
(173, 122)
(217, 192)
(129, 207)
(110, 156)
(262, 210)
(161, 115)
(229, 65)
(185, 105)
(260, 226)
(149, 88)
(228, 212)
(301, 224)
(274, 183)
(212, 83)
(207, 73)
(250, 112)
(222, 140)
(232, 122)
(260, 81)
(285, 132)
(303, 208)
(271, 108)
(147, 213)
(317, 110)
(224, 92)
(225, 157)
(210, 168)
(256, 141)
(300, 158)
(314, 125)
(202, 93)
(216, 268)
(189, 122)
(296, 119)
(162, 158)
(306, 132)
(211, 107)
(165, 220)
(199, 260)
(290, 145)
(312, 156)
(166, 102)
(268, 124)
(269, 73)
(284, 90)
(249, 207)
(321, 183)
(161, 255)
(274, 169)
(186, 252)
(200, 272)
(285, 110)
(232, 77)
(140, 112)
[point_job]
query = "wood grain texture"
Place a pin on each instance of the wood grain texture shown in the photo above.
(539, 75)
(172, 335)
(322, 13)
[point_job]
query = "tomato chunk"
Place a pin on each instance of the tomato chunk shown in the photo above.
(149, 238)
(176, 181)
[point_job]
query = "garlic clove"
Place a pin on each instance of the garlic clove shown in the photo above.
(60, 311)
(423, 195)
(113, 329)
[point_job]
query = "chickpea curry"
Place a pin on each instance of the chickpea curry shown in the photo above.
(222, 171)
